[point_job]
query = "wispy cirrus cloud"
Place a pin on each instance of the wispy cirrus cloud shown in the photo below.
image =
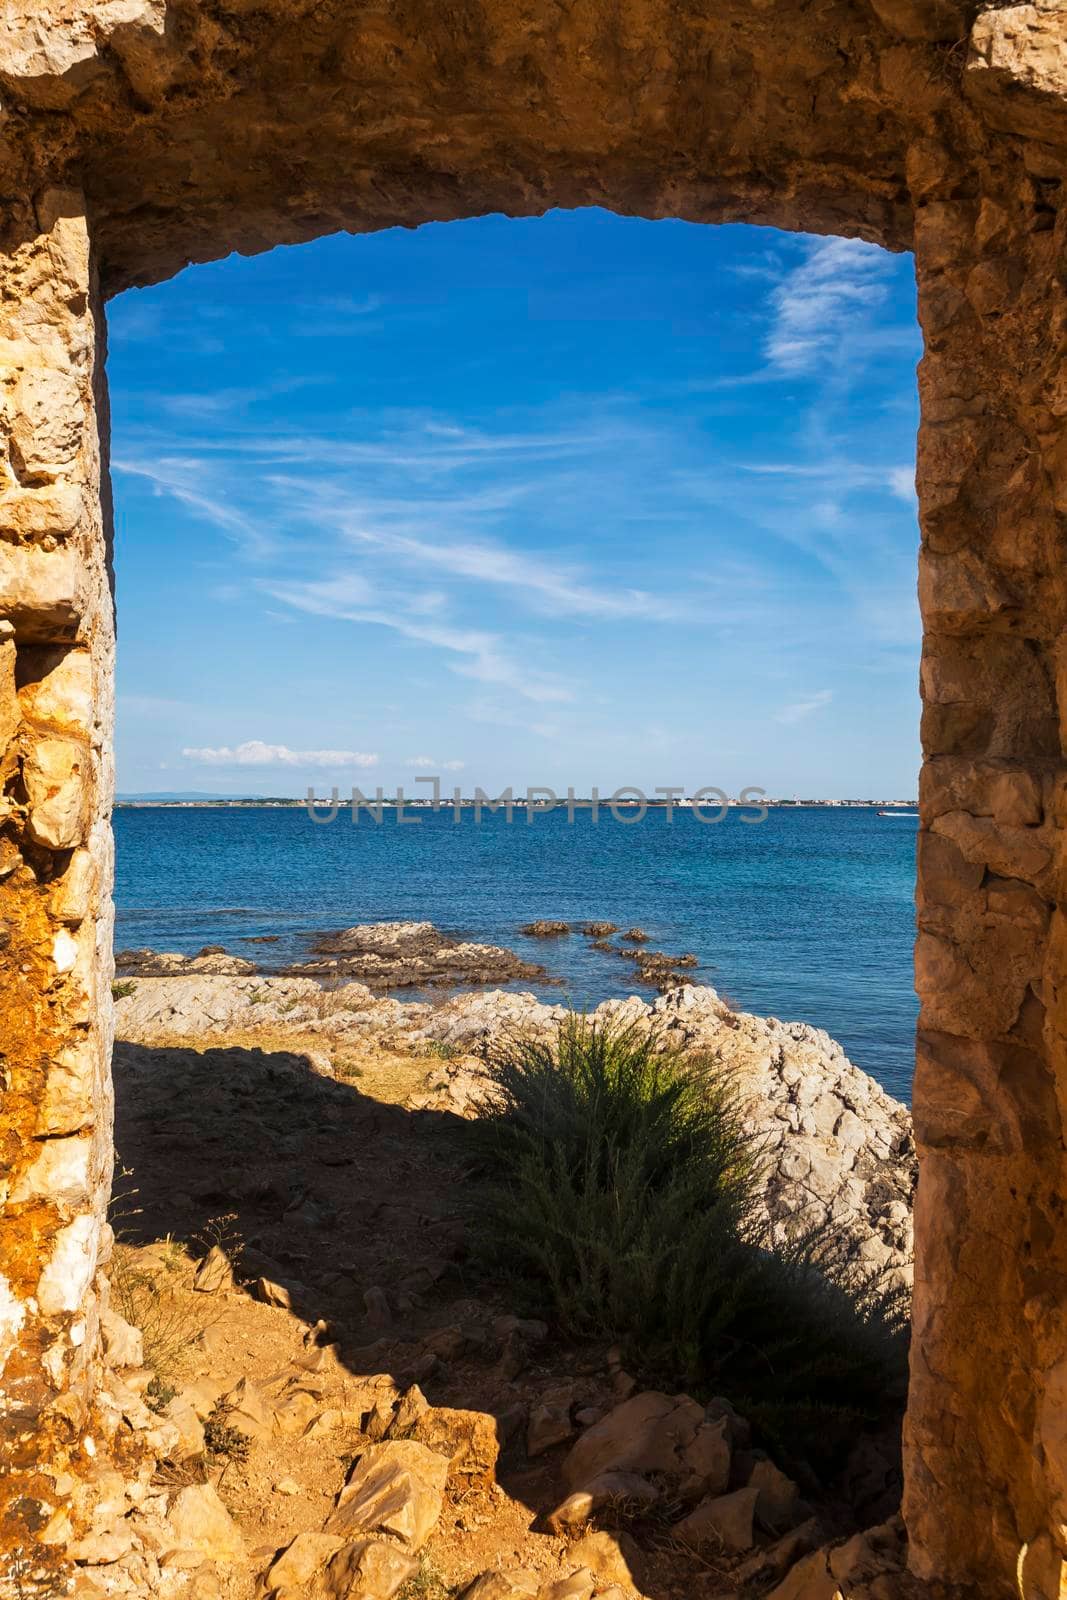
(256, 753)
(799, 710)
(182, 478)
(481, 654)
(815, 305)
(536, 578)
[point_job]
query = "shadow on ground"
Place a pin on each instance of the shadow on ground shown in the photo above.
(358, 1208)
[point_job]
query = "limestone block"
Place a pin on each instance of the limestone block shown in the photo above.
(50, 512)
(60, 692)
(397, 1489)
(190, 1429)
(50, 52)
(247, 1411)
(778, 1496)
(201, 1522)
(73, 893)
(214, 1275)
(47, 423)
(296, 1413)
(61, 1173)
(1015, 798)
(522, 1583)
(68, 1271)
(61, 215)
(54, 775)
(610, 1487)
(301, 1560)
(367, 1567)
(1010, 852)
(42, 592)
(989, 1097)
(136, 33)
(649, 1433)
(68, 1103)
(468, 1439)
(1017, 69)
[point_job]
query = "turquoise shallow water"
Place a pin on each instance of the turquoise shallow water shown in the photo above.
(807, 916)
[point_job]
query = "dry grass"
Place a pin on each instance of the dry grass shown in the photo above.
(150, 1288)
(154, 1298)
(429, 1583)
(392, 1077)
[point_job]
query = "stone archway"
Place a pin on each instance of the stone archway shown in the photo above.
(138, 135)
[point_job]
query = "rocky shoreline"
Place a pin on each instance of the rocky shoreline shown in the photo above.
(837, 1149)
(418, 955)
(383, 955)
(311, 1394)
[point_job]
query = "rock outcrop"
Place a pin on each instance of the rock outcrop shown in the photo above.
(838, 1150)
(414, 955)
(383, 955)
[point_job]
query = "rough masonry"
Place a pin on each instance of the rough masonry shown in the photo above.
(137, 136)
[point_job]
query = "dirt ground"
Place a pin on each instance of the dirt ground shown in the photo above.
(311, 1173)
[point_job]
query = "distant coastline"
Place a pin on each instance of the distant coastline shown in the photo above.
(421, 803)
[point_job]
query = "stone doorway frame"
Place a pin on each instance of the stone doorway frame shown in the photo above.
(138, 135)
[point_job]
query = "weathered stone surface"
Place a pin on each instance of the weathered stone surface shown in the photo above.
(123, 1345)
(371, 1568)
(723, 1520)
(302, 1559)
(396, 1490)
(611, 1558)
(518, 1584)
(201, 1522)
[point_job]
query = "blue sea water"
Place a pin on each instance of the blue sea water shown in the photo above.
(806, 916)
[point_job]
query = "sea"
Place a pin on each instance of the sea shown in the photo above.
(806, 916)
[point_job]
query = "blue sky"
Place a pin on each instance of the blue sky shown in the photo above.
(574, 500)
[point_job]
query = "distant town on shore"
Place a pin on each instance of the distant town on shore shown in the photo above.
(519, 802)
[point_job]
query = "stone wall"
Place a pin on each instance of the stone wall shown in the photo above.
(56, 648)
(194, 127)
(987, 1430)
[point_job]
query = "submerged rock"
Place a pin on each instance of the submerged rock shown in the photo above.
(409, 955)
(212, 960)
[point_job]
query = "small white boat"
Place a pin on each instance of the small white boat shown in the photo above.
(898, 813)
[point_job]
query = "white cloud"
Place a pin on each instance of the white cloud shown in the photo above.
(799, 709)
(902, 483)
(555, 588)
(428, 764)
(481, 654)
(815, 303)
(181, 477)
(255, 753)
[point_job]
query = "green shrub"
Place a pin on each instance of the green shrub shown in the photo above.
(620, 1190)
(122, 987)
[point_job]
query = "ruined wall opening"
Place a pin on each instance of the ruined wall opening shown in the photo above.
(725, 482)
(138, 138)
(566, 472)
